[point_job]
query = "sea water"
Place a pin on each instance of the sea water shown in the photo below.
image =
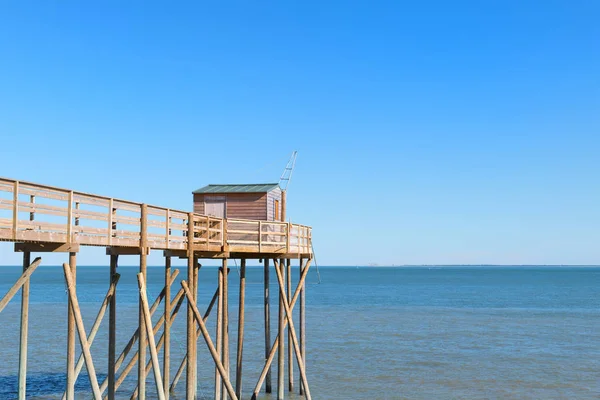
(372, 332)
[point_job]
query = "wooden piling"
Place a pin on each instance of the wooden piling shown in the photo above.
(219, 335)
(225, 325)
(190, 390)
(240, 335)
(290, 320)
(112, 328)
(143, 338)
(196, 271)
(24, 329)
(290, 355)
(268, 387)
(280, 265)
(70, 389)
(167, 329)
(302, 320)
(273, 350)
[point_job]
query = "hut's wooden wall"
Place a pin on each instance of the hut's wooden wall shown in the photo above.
(238, 205)
(247, 205)
(199, 203)
(271, 197)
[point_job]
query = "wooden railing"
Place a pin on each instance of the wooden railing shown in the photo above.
(37, 213)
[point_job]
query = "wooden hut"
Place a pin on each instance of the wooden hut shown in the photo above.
(264, 202)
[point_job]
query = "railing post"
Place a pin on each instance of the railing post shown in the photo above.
(32, 213)
(111, 213)
(167, 229)
(207, 231)
(224, 234)
(77, 212)
(190, 389)
(287, 237)
(260, 236)
(15, 221)
(143, 333)
(70, 218)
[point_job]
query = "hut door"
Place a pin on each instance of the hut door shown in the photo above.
(214, 206)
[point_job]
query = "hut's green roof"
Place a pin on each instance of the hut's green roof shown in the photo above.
(243, 188)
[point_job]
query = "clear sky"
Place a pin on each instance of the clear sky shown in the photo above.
(428, 132)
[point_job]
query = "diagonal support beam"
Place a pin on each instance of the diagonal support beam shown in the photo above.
(198, 333)
(85, 346)
(177, 301)
(151, 341)
(20, 282)
(271, 356)
(135, 336)
(292, 330)
(96, 326)
(209, 343)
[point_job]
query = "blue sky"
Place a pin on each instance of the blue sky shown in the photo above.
(428, 132)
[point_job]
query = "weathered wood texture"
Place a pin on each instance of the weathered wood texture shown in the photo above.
(272, 196)
(33, 213)
(237, 205)
(24, 329)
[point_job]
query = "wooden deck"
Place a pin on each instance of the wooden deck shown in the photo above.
(34, 213)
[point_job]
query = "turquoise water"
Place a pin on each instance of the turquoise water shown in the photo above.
(373, 333)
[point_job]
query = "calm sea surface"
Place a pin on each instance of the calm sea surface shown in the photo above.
(373, 333)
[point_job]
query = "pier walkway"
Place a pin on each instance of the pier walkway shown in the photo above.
(41, 219)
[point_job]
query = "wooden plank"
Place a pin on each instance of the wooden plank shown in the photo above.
(46, 247)
(28, 206)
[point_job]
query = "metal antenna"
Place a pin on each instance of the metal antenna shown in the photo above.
(286, 176)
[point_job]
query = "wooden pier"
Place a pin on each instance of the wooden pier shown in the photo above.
(41, 219)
